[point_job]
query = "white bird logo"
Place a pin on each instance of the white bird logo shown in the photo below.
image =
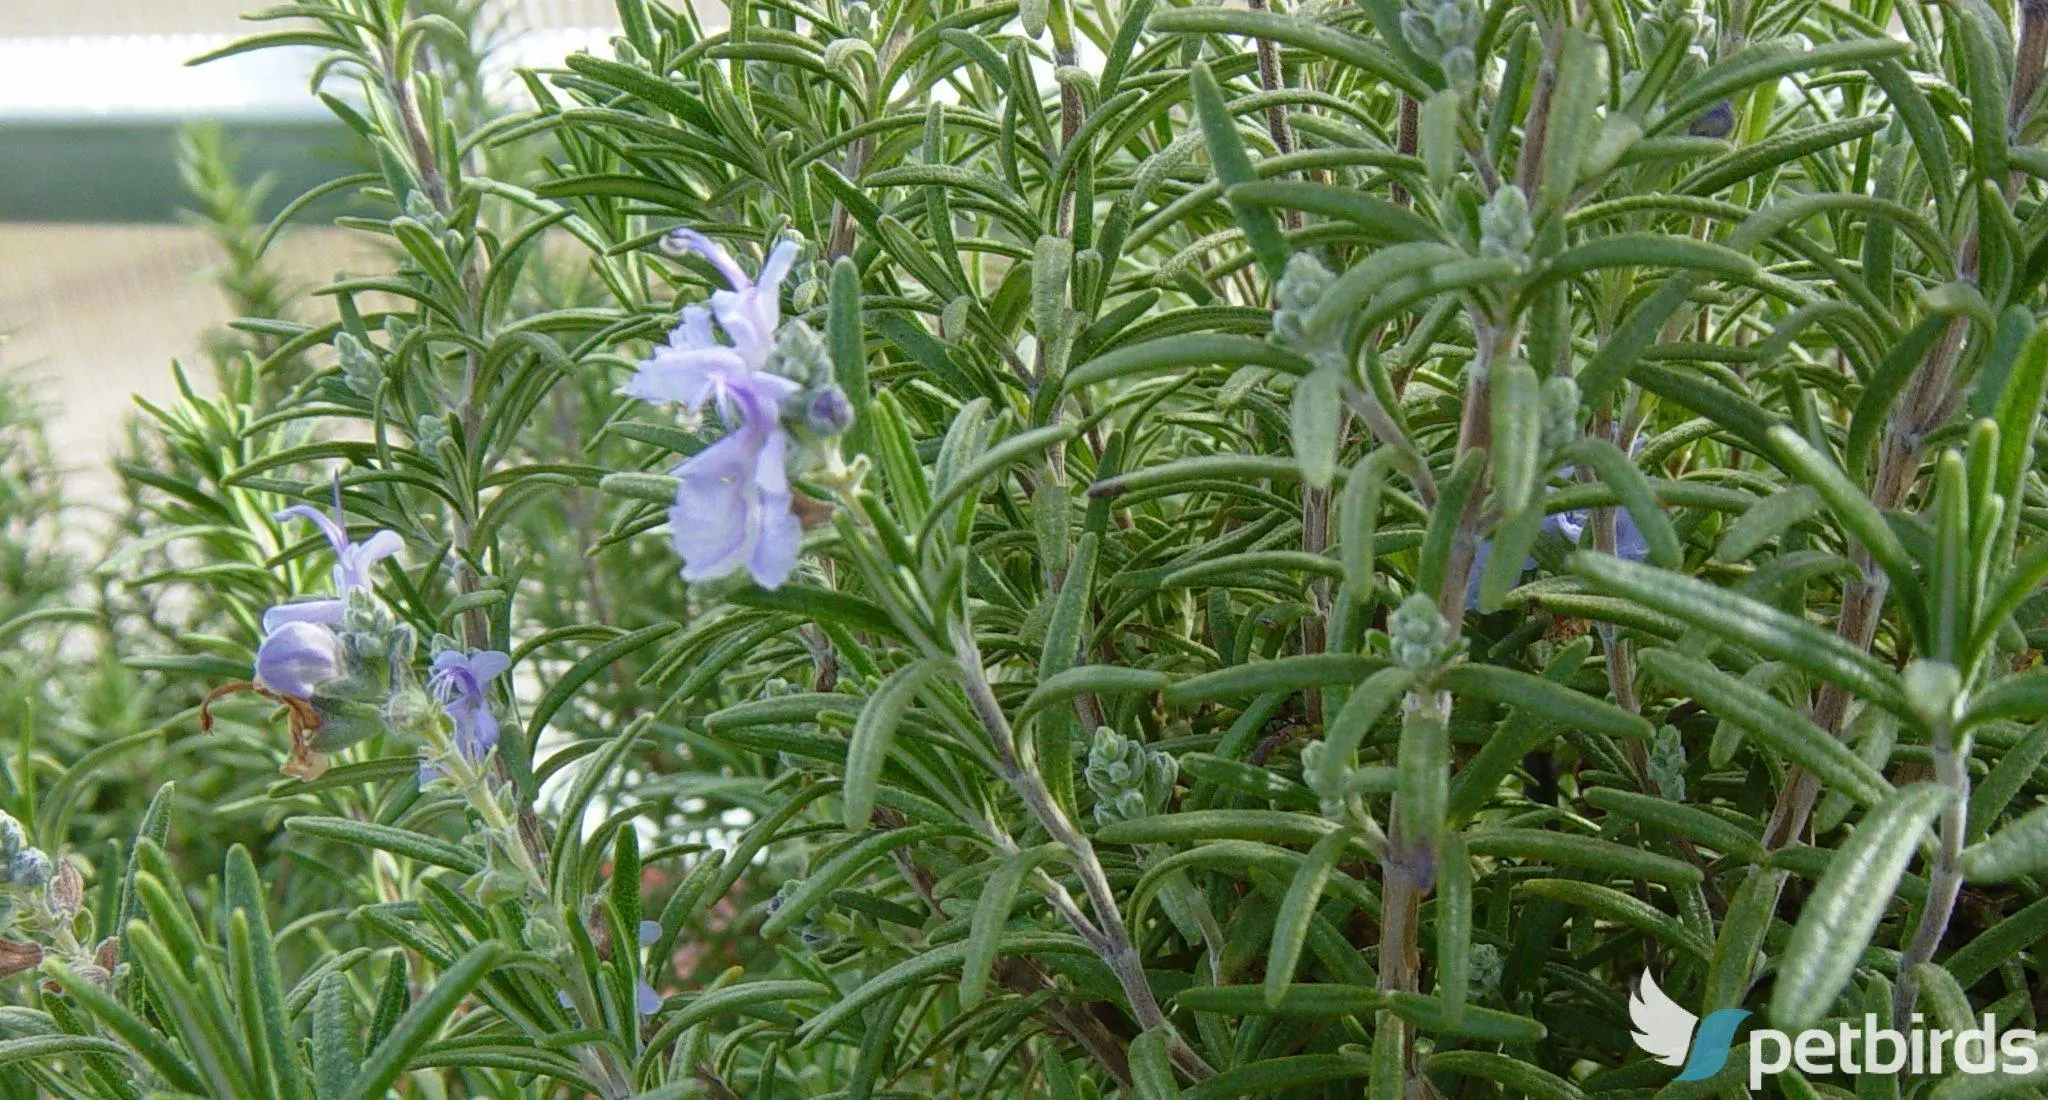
(1663, 1027)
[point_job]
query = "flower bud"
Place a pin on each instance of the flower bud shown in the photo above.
(30, 868)
(1667, 763)
(359, 369)
(1417, 633)
(1505, 230)
(1717, 121)
(1560, 411)
(827, 412)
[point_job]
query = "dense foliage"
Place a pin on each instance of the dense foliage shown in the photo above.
(1230, 552)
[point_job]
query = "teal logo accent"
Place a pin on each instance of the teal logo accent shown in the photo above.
(1710, 1044)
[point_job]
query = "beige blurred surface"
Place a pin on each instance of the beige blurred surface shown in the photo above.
(95, 315)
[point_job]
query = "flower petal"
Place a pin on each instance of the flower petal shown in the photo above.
(693, 241)
(337, 535)
(323, 612)
(297, 658)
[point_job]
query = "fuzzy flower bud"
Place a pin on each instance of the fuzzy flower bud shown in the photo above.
(1445, 31)
(1560, 411)
(800, 355)
(1300, 288)
(1418, 633)
(30, 868)
(1129, 780)
(1505, 230)
(827, 412)
(359, 369)
(1667, 763)
(1487, 967)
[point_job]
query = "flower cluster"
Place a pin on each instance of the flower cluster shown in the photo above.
(38, 898)
(772, 387)
(1129, 780)
(341, 665)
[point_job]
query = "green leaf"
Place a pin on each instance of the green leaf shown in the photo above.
(929, 963)
(1517, 415)
(1848, 902)
(1315, 417)
(1679, 819)
(1151, 1068)
(1297, 909)
(1092, 680)
(1378, 217)
(399, 842)
(335, 1053)
(1347, 730)
(419, 1024)
(1743, 929)
(1519, 1078)
(1616, 471)
(1771, 722)
(2021, 848)
(1454, 927)
(1622, 908)
(1545, 698)
(1733, 617)
(1764, 62)
(1275, 1076)
(1233, 166)
(244, 894)
(991, 913)
(848, 862)
(873, 733)
(1571, 850)
(1178, 353)
(1856, 513)
(1287, 674)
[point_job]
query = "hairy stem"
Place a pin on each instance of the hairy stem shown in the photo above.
(1945, 877)
(1106, 933)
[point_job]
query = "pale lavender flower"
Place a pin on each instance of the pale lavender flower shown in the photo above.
(695, 368)
(1571, 526)
(352, 564)
(297, 657)
(458, 683)
(732, 510)
(300, 650)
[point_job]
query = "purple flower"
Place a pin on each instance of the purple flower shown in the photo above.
(1628, 543)
(695, 369)
(457, 683)
(298, 656)
(352, 561)
(732, 509)
(300, 650)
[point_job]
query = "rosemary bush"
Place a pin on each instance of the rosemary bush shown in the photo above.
(1044, 548)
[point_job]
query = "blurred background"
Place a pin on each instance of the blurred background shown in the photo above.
(120, 167)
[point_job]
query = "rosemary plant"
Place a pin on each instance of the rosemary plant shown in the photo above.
(1048, 548)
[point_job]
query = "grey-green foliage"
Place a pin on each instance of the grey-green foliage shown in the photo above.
(1196, 680)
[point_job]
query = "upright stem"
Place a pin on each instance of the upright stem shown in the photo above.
(1945, 878)
(1106, 933)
